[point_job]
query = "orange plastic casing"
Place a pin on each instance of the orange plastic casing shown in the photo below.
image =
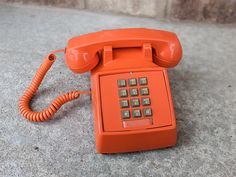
(124, 54)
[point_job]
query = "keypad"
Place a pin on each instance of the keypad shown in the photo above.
(135, 98)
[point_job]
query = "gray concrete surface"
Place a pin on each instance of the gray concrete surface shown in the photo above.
(203, 87)
(216, 11)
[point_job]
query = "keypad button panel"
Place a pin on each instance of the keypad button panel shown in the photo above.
(135, 100)
(110, 111)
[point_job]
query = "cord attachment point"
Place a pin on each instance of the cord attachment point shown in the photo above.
(51, 57)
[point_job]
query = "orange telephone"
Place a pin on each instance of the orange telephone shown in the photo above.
(131, 96)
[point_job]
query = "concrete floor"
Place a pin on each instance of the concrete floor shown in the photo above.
(203, 88)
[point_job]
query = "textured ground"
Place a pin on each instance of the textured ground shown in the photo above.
(203, 87)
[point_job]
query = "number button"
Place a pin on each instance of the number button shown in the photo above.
(123, 93)
(121, 83)
(133, 92)
(124, 103)
(143, 81)
(146, 101)
(136, 113)
(125, 114)
(147, 112)
(132, 82)
(135, 102)
(144, 91)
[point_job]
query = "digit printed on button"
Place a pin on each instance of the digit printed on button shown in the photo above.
(143, 81)
(123, 93)
(135, 102)
(132, 82)
(125, 114)
(124, 103)
(146, 101)
(134, 92)
(147, 112)
(136, 113)
(144, 91)
(121, 83)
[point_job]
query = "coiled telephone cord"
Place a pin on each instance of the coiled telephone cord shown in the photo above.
(47, 113)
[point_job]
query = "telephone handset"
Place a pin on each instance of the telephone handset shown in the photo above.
(131, 96)
(81, 54)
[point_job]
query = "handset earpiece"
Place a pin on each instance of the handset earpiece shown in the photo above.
(167, 54)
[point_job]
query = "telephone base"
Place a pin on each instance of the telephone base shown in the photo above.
(133, 110)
